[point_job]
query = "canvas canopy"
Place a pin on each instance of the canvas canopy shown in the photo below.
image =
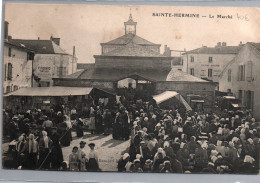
(51, 91)
(160, 98)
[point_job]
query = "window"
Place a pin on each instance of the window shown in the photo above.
(229, 75)
(30, 56)
(61, 71)
(15, 87)
(9, 72)
(9, 52)
(249, 72)
(179, 69)
(209, 73)
(8, 89)
(210, 59)
(191, 58)
(241, 73)
(192, 71)
(240, 95)
(5, 72)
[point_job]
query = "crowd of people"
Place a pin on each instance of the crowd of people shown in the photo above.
(196, 142)
(172, 140)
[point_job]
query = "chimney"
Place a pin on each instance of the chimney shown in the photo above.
(219, 44)
(55, 40)
(6, 30)
(74, 53)
(38, 38)
(224, 44)
(240, 44)
(9, 38)
(167, 51)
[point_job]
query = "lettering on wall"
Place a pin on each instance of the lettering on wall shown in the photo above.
(44, 69)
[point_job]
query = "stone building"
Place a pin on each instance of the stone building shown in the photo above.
(17, 66)
(209, 62)
(240, 77)
(132, 61)
(50, 60)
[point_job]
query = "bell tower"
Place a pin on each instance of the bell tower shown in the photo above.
(130, 25)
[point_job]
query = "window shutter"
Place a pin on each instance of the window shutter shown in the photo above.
(5, 72)
(238, 73)
(249, 74)
(9, 74)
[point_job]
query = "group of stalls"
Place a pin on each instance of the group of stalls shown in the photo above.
(46, 98)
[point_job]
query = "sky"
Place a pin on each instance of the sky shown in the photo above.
(86, 26)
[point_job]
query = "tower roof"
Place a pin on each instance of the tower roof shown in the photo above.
(133, 49)
(127, 38)
(130, 20)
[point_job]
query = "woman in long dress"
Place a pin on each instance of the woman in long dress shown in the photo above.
(93, 159)
(65, 132)
(92, 125)
(56, 153)
(79, 128)
(74, 160)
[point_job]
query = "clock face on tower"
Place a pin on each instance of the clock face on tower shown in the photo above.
(130, 29)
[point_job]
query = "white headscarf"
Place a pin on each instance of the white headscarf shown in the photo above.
(126, 155)
(249, 159)
(45, 139)
(32, 144)
(166, 144)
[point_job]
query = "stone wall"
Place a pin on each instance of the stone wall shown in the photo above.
(205, 89)
(83, 83)
(133, 62)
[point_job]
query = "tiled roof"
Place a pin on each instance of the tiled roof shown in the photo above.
(118, 74)
(84, 65)
(41, 46)
(75, 75)
(255, 45)
(175, 75)
(216, 50)
(133, 49)
(125, 39)
(21, 46)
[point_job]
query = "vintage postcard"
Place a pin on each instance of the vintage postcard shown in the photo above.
(149, 89)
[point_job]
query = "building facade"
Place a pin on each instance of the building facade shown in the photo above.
(18, 63)
(132, 61)
(50, 60)
(240, 77)
(208, 62)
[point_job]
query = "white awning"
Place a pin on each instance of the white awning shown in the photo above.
(164, 96)
(51, 91)
(170, 94)
(198, 101)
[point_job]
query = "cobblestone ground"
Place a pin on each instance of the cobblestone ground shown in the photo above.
(109, 150)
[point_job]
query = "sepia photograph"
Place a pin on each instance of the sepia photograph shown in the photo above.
(120, 88)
